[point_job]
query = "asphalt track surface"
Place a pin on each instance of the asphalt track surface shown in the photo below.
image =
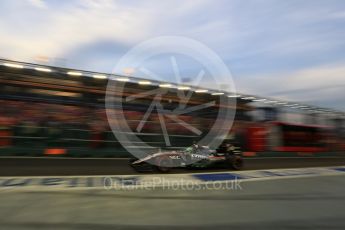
(305, 202)
(293, 203)
(19, 166)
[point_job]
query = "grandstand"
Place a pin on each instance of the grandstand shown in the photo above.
(53, 110)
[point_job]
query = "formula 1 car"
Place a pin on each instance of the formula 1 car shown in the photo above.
(195, 156)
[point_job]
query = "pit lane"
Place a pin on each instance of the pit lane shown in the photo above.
(48, 166)
(291, 203)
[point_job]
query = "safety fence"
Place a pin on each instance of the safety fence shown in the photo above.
(60, 140)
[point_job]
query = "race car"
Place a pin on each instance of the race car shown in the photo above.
(195, 156)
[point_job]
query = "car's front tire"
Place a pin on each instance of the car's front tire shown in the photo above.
(164, 164)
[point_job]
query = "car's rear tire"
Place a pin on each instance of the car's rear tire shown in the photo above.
(236, 162)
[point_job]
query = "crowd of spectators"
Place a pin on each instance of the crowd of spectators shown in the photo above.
(32, 119)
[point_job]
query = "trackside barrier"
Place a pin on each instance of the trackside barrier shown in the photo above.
(122, 153)
(28, 140)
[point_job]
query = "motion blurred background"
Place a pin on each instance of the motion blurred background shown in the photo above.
(286, 59)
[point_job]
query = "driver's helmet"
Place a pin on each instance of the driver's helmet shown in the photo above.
(189, 149)
(192, 149)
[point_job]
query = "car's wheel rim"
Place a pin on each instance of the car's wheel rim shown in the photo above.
(238, 163)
